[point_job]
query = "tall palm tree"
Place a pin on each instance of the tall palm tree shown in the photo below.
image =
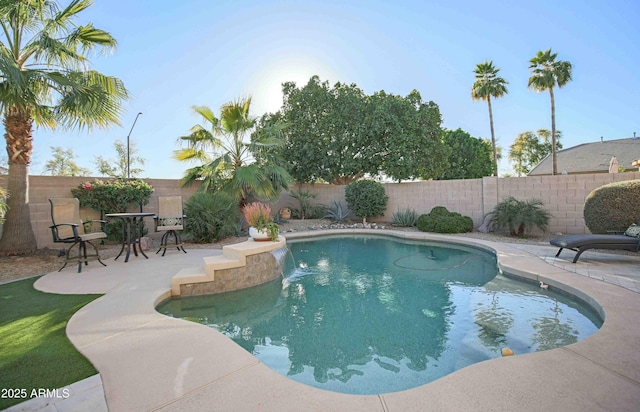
(227, 161)
(486, 86)
(44, 78)
(546, 73)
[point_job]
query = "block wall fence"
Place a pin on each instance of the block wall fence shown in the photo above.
(563, 197)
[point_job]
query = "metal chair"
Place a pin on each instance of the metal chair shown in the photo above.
(170, 220)
(68, 227)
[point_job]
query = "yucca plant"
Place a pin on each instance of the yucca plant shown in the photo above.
(519, 217)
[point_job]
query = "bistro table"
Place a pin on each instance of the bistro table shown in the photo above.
(131, 231)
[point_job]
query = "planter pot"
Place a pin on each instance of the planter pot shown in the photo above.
(285, 213)
(259, 235)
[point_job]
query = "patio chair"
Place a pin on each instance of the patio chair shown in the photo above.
(580, 243)
(169, 220)
(69, 228)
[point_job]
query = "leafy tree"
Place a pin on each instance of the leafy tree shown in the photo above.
(44, 78)
(63, 164)
(338, 134)
(406, 136)
(470, 158)
(118, 167)
(486, 86)
(547, 73)
(226, 158)
(529, 149)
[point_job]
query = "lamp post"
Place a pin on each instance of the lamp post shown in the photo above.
(128, 144)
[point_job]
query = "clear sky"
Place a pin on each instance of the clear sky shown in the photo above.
(175, 54)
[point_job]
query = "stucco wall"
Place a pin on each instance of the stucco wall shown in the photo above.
(563, 196)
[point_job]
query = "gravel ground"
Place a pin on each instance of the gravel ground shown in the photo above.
(47, 260)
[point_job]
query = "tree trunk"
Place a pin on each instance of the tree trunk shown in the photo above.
(493, 139)
(17, 236)
(554, 160)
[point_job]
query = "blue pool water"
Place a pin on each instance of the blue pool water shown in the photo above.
(370, 315)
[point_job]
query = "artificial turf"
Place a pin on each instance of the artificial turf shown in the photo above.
(35, 352)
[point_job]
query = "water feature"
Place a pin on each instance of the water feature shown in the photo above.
(368, 315)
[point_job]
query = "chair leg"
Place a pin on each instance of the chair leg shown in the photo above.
(67, 256)
(164, 241)
(97, 254)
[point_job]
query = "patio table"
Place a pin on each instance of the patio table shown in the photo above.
(131, 232)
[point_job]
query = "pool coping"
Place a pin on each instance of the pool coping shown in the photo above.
(148, 361)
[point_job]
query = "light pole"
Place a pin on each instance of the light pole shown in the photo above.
(128, 144)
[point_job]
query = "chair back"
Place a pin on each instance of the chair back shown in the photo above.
(170, 212)
(66, 211)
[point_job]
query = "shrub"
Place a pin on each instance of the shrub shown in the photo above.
(115, 196)
(613, 207)
(211, 217)
(366, 198)
(405, 218)
(440, 220)
(519, 217)
(305, 209)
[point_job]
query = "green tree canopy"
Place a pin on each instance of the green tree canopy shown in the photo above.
(529, 149)
(547, 73)
(470, 158)
(118, 167)
(226, 158)
(44, 77)
(63, 164)
(487, 85)
(338, 134)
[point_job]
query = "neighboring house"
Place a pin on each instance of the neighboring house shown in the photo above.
(592, 157)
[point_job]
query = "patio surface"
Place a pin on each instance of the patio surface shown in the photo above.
(148, 361)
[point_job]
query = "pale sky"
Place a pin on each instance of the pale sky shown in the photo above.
(175, 54)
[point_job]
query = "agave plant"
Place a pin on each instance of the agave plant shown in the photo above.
(337, 212)
(519, 217)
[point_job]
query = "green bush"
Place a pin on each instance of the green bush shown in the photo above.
(519, 217)
(613, 207)
(211, 217)
(366, 198)
(404, 218)
(440, 220)
(114, 196)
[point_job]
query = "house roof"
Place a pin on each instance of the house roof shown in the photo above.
(592, 157)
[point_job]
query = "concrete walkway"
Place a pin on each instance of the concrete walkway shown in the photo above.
(148, 361)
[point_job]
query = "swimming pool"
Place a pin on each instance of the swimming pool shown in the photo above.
(368, 315)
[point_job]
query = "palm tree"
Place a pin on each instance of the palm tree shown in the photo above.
(44, 78)
(227, 161)
(546, 73)
(488, 85)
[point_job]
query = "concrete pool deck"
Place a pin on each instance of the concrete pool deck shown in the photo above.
(148, 361)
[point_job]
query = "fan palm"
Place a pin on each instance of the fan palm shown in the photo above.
(486, 86)
(44, 78)
(227, 161)
(546, 73)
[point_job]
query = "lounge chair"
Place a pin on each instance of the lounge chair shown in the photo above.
(580, 243)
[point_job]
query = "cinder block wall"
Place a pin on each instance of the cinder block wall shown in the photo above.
(563, 196)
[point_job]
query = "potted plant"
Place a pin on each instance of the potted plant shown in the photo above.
(261, 225)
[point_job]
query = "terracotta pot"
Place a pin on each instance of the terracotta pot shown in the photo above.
(285, 213)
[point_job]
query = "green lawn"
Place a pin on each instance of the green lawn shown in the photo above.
(34, 350)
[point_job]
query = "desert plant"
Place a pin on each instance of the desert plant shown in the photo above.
(211, 217)
(257, 214)
(337, 212)
(405, 218)
(612, 207)
(304, 200)
(519, 217)
(366, 198)
(440, 220)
